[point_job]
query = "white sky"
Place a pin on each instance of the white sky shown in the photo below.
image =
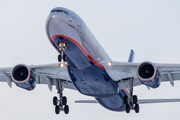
(149, 27)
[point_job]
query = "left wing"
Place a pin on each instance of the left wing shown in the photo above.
(43, 74)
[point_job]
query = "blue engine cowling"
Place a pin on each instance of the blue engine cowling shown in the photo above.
(23, 77)
(149, 74)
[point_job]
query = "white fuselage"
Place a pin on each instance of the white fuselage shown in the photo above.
(84, 58)
(71, 25)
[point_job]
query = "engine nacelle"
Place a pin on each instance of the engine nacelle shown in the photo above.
(149, 74)
(23, 77)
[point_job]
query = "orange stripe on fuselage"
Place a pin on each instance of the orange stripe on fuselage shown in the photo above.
(80, 47)
(126, 90)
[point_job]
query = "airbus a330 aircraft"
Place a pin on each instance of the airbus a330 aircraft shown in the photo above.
(86, 67)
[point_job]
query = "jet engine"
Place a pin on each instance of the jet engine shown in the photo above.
(23, 77)
(149, 74)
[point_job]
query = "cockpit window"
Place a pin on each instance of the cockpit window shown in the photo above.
(53, 10)
(66, 12)
(60, 11)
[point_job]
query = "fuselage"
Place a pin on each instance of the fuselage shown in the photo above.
(84, 54)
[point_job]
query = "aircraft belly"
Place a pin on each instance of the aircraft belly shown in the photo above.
(89, 77)
(84, 68)
(93, 81)
(115, 102)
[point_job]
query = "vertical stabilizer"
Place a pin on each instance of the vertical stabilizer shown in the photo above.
(131, 56)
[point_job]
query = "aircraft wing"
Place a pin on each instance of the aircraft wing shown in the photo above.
(44, 74)
(120, 71)
(49, 73)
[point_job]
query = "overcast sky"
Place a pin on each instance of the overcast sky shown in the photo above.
(150, 27)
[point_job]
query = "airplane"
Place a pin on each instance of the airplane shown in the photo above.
(83, 65)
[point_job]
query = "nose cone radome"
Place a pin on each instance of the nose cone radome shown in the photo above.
(54, 25)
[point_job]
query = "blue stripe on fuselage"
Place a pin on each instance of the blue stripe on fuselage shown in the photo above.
(115, 102)
(90, 79)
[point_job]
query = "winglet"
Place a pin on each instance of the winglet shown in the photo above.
(131, 56)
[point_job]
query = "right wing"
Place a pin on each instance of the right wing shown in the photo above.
(44, 74)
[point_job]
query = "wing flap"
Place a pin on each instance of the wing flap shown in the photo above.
(2, 78)
(66, 83)
(174, 76)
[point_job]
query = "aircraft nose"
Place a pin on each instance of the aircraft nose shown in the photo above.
(54, 25)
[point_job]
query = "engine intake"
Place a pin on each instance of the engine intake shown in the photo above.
(23, 77)
(149, 74)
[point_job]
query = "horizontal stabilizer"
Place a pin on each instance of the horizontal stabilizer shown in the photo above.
(146, 101)
(86, 101)
(143, 101)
